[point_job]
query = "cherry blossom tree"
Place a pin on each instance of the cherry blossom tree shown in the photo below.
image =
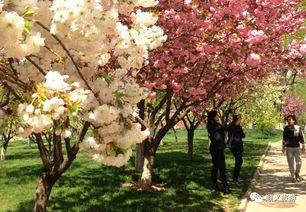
(71, 66)
(192, 120)
(8, 120)
(293, 106)
(210, 46)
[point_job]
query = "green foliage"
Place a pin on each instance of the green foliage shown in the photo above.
(28, 13)
(90, 186)
(27, 28)
(267, 119)
(298, 90)
(260, 108)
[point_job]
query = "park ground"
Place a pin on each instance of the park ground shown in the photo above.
(274, 182)
(90, 186)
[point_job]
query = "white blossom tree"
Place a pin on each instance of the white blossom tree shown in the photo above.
(71, 66)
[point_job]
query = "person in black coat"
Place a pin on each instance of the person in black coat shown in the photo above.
(216, 133)
(235, 143)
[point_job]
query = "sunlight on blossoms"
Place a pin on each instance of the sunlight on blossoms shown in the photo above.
(147, 3)
(144, 18)
(49, 105)
(115, 147)
(76, 62)
(55, 81)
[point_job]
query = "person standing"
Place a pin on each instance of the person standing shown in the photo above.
(235, 143)
(216, 133)
(292, 138)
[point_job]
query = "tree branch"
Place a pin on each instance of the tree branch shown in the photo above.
(68, 53)
(36, 66)
(159, 106)
(82, 134)
(13, 79)
(74, 150)
(42, 152)
(67, 140)
(57, 146)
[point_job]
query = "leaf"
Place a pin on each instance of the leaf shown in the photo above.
(108, 79)
(28, 13)
(120, 104)
(119, 151)
(119, 95)
(74, 108)
(27, 28)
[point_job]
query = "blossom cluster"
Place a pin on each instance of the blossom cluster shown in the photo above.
(54, 100)
(17, 40)
(297, 48)
(293, 106)
(112, 143)
(114, 133)
(80, 59)
(215, 44)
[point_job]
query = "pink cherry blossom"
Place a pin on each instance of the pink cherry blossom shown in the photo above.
(253, 60)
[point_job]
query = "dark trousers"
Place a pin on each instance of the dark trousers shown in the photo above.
(218, 161)
(237, 152)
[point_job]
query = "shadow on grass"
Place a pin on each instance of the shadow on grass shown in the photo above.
(89, 186)
(27, 172)
(24, 155)
(98, 188)
(24, 206)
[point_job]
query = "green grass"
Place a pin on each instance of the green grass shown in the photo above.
(90, 186)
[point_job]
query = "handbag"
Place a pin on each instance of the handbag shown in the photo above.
(229, 141)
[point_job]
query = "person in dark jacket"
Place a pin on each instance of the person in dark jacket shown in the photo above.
(235, 143)
(216, 135)
(292, 138)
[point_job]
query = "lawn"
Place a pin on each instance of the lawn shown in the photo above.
(90, 186)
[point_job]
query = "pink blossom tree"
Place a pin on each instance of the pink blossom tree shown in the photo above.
(211, 46)
(293, 106)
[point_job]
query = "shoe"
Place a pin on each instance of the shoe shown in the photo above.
(226, 189)
(298, 178)
(215, 187)
(293, 180)
(240, 180)
(236, 182)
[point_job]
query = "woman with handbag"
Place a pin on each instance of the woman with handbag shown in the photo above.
(216, 133)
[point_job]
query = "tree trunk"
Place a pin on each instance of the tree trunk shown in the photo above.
(3, 149)
(175, 135)
(43, 191)
(190, 134)
(139, 159)
(147, 171)
(29, 142)
(54, 169)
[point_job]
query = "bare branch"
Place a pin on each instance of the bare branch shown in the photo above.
(36, 66)
(42, 152)
(141, 121)
(80, 139)
(13, 79)
(159, 106)
(67, 140)
(57, 146)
